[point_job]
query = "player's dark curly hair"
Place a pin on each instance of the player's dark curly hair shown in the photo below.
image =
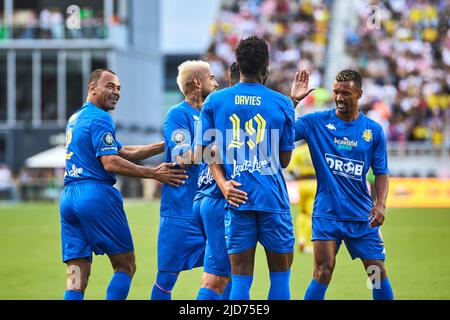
(252, 55)
(350, 75)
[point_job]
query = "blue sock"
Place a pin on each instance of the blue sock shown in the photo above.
(226, 292)
(279, 286)
(316, 291)
(240, 289)
(73, 295)
(384, 292)
(162, 289)
(119, 286)
(207, 294)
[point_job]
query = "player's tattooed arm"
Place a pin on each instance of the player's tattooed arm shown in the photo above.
(376, 216)
(299, 89)
(229, 189)
(135, 153)
(165, 172)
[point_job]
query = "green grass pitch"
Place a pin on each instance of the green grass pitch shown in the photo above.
(417, 241)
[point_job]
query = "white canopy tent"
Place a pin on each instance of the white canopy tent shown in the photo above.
(51, 158)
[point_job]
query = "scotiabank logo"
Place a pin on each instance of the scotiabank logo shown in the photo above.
(345, 167)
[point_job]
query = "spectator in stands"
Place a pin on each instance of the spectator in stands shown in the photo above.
(406, 62)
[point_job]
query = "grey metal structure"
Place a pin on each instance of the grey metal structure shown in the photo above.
(43, 80)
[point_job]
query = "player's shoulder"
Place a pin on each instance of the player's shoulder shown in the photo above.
(219, 95)
(93, 115)
(176, 110)
(371, 124)
(179, 115)
(325, 115)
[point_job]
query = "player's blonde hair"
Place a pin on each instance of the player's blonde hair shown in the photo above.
(187, 71)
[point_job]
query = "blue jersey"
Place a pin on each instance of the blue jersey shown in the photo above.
(179, 130)
(251, 124)
(342, 153)
(206, 185)
(90, 133)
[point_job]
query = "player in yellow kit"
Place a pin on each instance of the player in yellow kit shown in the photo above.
(302, 168)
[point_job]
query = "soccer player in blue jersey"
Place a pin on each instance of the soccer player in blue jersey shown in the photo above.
(209, 207)
(259, 138)
(344, 144)
(92, 214)
(181, 243)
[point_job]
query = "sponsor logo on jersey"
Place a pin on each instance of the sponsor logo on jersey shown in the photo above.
(75, 172)
(331, 126)
(205, 178)
(367, 135)
(349, 168)
(248, 165)
(345, 143)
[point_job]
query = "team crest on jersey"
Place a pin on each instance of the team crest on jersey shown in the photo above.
(178, 137)
(367, 135)
(108, 139)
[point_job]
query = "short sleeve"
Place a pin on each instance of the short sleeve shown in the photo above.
(379, 158)
(103, 135)
(177, 132)
(302, 127)
(287, 136)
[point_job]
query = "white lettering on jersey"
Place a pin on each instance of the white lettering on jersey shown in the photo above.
(345, 167)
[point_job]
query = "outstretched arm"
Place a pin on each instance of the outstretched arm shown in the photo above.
(135, 153)
(164, 173)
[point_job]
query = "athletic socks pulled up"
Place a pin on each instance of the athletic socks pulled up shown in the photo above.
(162, 289)
(240, 290)
(119, 286)
(279, 286)
(316, 291)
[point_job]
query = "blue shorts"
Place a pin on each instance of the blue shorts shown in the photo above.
(211, 213)
(243, 230)
(181, 244)
(93, 220)
(361, 241)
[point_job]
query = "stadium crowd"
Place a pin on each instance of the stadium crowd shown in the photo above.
(404, 59)
(296, 32)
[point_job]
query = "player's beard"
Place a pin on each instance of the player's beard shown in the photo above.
(206, 93)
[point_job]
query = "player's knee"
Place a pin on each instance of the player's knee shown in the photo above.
(279, 262)
(323, 273)
(128, 267)
(376, 271)
(77, 277)
(214, 282)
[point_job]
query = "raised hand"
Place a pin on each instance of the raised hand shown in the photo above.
(299, 89)
(166, 173)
